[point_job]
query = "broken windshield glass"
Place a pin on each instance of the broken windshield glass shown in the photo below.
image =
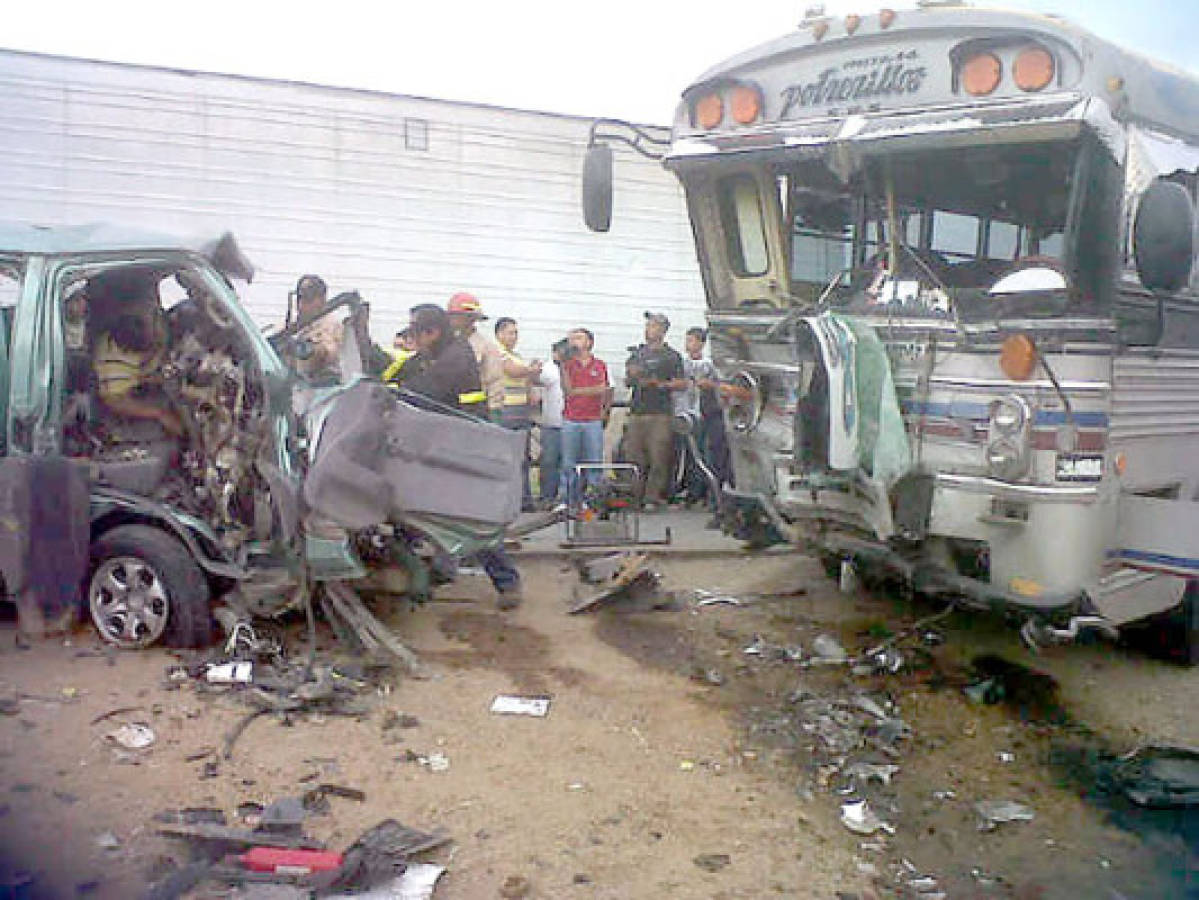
(956, 222)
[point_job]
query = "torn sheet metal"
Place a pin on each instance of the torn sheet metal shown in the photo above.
(858, 817)
(417, 883)
(993, 813)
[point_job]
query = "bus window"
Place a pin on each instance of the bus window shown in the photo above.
(1003, 240)
(744, 229)
(955, 236)
(821, 240)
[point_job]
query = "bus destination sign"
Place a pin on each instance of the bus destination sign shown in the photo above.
(857, 81)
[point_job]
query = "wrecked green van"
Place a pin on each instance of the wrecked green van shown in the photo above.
(207, 478)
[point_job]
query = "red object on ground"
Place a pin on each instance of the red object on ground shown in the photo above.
(282, 861)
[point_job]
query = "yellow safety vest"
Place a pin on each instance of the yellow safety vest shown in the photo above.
(516, 390)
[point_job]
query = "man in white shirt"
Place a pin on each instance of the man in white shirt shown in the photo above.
(550, 419)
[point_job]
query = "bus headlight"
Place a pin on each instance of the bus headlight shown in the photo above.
(1009, 415)
(1007, 452)
(1004, 460)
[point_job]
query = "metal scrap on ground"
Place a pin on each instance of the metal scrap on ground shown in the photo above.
(631, 577)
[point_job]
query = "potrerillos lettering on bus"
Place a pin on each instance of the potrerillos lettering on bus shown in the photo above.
(901, 74)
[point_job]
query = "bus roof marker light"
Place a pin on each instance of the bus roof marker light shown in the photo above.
(819, 29)
(886, 17)
(852, 21)
(709, 111)
(745, 103)
(980, 74)
(1033, 68)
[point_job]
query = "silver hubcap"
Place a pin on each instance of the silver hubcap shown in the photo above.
(128, 602)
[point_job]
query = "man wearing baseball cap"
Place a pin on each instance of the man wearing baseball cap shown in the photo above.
(654, 371)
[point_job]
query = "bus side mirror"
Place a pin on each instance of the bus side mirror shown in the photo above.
(597, 187)
(1163, 237)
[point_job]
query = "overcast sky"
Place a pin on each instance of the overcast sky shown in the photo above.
(622, 58)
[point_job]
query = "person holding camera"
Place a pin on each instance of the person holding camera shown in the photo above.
(654, 371)
(588, 398)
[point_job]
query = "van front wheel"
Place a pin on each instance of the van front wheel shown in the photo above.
(145, 588)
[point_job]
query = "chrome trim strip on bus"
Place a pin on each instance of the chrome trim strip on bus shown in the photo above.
(884, 323)
(1004, 385)
(978, 484)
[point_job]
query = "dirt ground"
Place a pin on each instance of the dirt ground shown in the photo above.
(665, 743)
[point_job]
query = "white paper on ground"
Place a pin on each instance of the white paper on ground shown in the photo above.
(513, 705)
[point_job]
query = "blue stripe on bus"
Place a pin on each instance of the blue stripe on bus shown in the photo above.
(981, 411)
(1160, 559)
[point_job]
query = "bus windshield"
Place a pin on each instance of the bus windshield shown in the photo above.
(963, 219)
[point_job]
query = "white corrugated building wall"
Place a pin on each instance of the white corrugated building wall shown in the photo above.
(405, 199)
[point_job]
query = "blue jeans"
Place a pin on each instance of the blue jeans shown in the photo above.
(582, 442)
(500, 569)
(551, 462)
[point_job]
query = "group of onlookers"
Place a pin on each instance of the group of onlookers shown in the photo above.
(568, 398)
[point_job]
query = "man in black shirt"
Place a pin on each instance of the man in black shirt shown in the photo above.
(444, 369)
(654, 371)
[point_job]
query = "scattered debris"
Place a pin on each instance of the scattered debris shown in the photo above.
(1005, 756)
(435, 762)
(848, 582)
(108, 842)
(515, 887)
(383, 852)
(230, 673)
(133, 736)
(393, 719)
(342, 603)
(993, 813)
(237, 837)
(717, 600)
(827, 650)
(284, 814)
(865, 772)
(1160, 777)
(712, 862)
(708, 676)
(885, 660)
(119, 711)
(858, 817)
(868, 705)
(417, 883)
(515, 705)
(606, 568)
(280, 861)
(632, 580)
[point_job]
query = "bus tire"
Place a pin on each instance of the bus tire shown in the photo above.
(144, 588)
(1188, 620)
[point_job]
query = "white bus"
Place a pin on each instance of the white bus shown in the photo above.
(948, 261)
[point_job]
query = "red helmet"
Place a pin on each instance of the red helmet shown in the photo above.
(463, 304)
